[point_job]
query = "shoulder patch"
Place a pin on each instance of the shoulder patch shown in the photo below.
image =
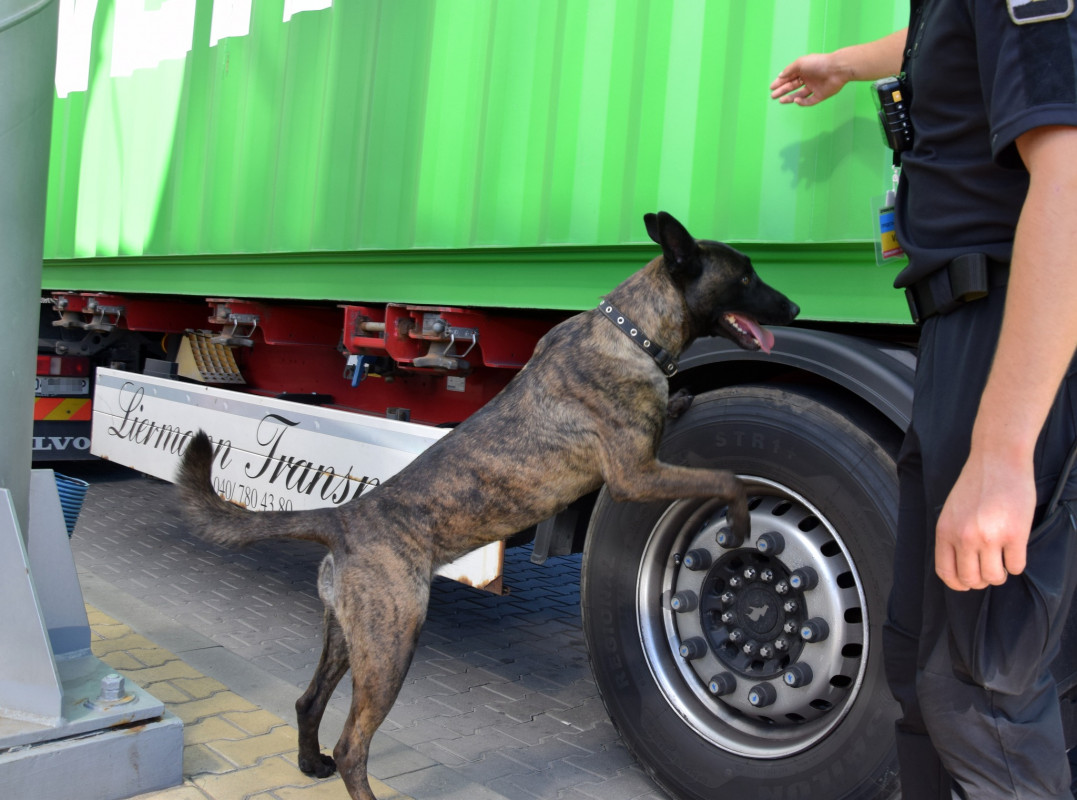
(1023, 12)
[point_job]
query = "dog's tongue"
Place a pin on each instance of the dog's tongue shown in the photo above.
(763, 336)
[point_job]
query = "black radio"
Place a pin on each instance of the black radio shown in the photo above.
(893, 110)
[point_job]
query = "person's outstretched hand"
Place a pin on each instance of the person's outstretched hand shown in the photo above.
(809, 80)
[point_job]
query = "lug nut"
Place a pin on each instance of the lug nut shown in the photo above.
(767, 576)
(781, 644)
(723, 683)
(750, 648)
(798, 675)
(693, 648)
(804, 579)
(791, 626)
(770, 543)
(736, 581)
(750, 573)
(728, 598)
(727, 539)
(684, 601)
(766, 651)
(729, 617)
(736, 636)
(782, 587)
(790, 606)
(762, 694)
(697, 559)
(814, 630)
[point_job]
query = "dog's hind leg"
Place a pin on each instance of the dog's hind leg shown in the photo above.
(382, 608)
(311, 706)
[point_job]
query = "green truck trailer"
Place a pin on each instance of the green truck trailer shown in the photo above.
(327, 231)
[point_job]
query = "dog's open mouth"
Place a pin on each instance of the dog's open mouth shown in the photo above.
(746, 332)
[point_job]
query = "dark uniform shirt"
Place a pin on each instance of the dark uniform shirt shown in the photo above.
(978, 81)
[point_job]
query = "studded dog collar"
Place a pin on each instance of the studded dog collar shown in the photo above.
(666, 362)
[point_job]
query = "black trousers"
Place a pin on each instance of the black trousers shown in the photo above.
(956, 738)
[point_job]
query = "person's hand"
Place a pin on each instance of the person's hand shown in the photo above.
(983, 530)
(809, 80)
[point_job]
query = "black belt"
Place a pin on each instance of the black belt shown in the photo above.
(968, 277)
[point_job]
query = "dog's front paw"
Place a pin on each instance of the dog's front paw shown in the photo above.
(740, 518)
(679, 402)
(321, 766)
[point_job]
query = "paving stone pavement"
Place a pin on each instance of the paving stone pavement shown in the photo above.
(499, 701)
(232, 749)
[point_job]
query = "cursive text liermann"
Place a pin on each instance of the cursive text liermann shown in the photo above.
(270, 465)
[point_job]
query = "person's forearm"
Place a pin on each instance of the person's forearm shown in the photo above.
(1039, 329)
(813, 78)
(983, 528)
(872, 60)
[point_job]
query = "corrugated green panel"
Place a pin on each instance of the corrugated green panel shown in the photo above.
(459, 125)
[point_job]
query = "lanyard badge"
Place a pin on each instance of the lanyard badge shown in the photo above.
(887, 249)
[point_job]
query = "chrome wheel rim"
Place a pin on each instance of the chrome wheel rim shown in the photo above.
(762, 650)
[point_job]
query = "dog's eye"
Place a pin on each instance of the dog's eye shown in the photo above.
(746, 280)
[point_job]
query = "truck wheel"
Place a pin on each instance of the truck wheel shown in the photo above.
(752, 669)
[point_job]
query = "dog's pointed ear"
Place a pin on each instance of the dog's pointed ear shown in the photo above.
(679, 249)
(651, 221)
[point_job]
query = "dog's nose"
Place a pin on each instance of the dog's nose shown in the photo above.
(794, 309)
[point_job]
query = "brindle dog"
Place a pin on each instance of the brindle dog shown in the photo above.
(587, 409)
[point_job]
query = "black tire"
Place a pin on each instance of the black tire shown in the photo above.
(830, 489)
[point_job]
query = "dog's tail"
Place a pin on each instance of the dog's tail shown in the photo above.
(219, 521)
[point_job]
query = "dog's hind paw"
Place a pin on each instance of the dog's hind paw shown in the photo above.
(679, 402)
(321, 767)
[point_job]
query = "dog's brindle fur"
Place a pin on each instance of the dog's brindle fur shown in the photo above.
(587, 409)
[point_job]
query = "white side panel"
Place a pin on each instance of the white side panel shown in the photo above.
(271, 454)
